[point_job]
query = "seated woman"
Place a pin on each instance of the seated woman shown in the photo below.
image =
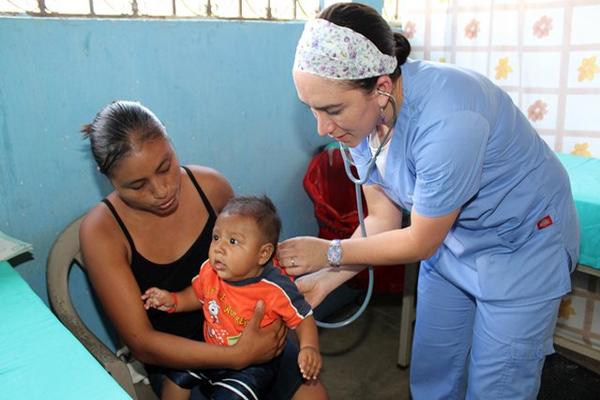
(154, 229)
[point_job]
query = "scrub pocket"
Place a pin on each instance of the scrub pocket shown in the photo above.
(522, 370)
(533, 265)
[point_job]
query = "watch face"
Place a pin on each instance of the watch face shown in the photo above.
(334, 253)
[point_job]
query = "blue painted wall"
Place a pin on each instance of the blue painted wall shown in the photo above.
(222, 88)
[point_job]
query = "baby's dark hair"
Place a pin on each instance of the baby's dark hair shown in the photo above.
(117, 129)
(262, 210)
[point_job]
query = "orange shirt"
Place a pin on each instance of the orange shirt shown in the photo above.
(228, 305)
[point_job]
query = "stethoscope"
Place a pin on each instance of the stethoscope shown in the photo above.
(358, 182)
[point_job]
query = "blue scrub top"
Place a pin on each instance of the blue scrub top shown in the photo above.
(460, 142)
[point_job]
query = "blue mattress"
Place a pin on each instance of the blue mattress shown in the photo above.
(584, 173)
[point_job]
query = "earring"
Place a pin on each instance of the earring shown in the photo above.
(381, 116)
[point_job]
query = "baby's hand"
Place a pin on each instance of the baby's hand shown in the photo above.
(158, 298)
(309, 361)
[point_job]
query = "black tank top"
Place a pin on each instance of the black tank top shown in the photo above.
(174, 276)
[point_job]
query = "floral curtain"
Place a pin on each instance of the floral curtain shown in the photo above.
(544, 53)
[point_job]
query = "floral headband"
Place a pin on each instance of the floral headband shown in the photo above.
(336, 52)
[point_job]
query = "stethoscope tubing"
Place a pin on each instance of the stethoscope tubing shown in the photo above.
(358, 182)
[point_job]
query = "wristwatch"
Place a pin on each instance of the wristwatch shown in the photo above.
(334, 253)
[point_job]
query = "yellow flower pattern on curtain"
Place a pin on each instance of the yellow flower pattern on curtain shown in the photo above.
(503, 69)
(544, 53)
(588, 69)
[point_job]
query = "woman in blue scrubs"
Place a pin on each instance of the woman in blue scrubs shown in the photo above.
(492, 216)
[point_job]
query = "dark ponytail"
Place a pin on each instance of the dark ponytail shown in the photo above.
(369, 23)
(402, 47)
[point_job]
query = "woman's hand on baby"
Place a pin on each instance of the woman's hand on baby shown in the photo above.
(309, 361)
(157, 298)
(302, 255)
(258, 345)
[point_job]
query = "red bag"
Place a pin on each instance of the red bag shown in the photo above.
(332, 194)
(334, 201)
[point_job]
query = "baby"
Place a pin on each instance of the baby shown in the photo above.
(237, 274)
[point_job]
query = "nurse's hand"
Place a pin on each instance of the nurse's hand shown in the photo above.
(302, 255)
(315, 287)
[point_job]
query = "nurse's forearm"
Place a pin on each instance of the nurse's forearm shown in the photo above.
(332, 277)
(416, 242)
(388, 248)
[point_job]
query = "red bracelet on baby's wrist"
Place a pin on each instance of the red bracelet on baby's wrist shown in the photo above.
(174, 306)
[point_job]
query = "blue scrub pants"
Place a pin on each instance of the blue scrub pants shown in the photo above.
(465, 348)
